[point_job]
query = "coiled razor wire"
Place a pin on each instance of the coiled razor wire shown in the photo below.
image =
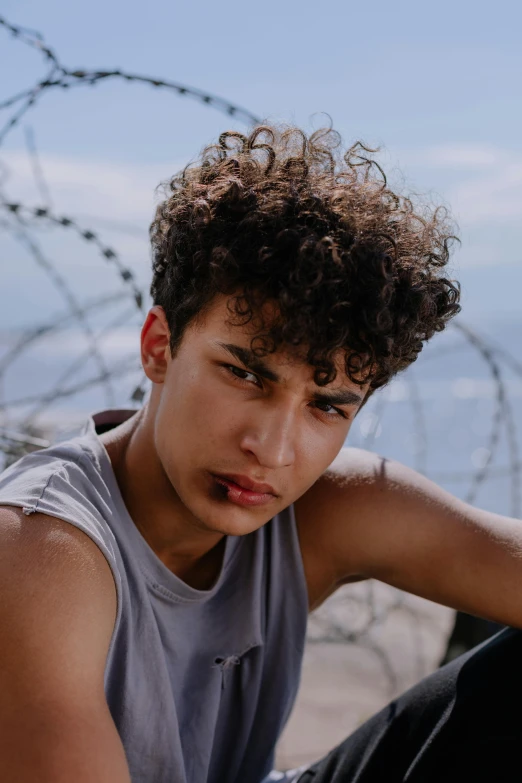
(43, 214)
(60, 77)
(351, 616)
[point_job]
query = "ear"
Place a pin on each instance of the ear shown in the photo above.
(155, 348)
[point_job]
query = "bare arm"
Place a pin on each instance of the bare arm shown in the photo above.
(57, 613)
(386, 521)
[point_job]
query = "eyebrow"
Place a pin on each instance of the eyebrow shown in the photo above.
(246, 357)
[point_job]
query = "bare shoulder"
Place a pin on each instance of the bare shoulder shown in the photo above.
(328, 504)
(41, 545)
(362, 476)
(355, 467)
(353, 489)
(56, 582)
(372, 517)
(340, 518)
(352, 470)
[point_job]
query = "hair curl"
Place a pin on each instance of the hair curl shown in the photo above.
(281, 216)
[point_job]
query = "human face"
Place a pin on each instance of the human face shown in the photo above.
(217, 413)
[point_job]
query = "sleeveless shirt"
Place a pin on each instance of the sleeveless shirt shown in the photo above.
(199, 683)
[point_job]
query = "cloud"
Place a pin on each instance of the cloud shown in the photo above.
(483, 254)
(493, 197)
(462, 156)
(118, 192)
(115, 199)
(67, 345)
(486, 181)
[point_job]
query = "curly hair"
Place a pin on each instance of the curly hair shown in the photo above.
(278, 215)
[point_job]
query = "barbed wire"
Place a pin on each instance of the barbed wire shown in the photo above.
(55, 392)
(38, 174)
(118, 370)
(34, 249)
(66, 79)
(87, 235)
(58, 322)
(501, 415)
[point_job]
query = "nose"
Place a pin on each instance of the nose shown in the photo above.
(271, 437)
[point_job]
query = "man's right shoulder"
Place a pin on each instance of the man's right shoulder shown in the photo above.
(54, 557)
(66, 483)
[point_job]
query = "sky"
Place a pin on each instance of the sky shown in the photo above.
(436, 86)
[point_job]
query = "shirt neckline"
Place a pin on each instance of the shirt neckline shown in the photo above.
(159, 578)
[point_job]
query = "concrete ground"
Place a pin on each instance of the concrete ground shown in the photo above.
(400, 639)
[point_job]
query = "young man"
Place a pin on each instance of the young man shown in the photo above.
(156, 572)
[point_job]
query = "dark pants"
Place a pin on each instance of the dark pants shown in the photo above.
(462, 723)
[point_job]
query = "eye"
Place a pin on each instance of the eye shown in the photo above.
(335, 415)
(237, 371)
(233, 370)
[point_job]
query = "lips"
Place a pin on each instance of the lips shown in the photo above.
(247, 483)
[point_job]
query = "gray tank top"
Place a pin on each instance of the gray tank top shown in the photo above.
(199, 682)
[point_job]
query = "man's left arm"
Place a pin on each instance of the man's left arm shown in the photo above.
(388, 522)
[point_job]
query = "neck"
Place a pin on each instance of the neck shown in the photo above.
(170, 529)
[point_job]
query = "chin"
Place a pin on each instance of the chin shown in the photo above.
(240, 526)
(232, 520)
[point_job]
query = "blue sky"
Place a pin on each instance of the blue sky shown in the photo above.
(437, 85)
